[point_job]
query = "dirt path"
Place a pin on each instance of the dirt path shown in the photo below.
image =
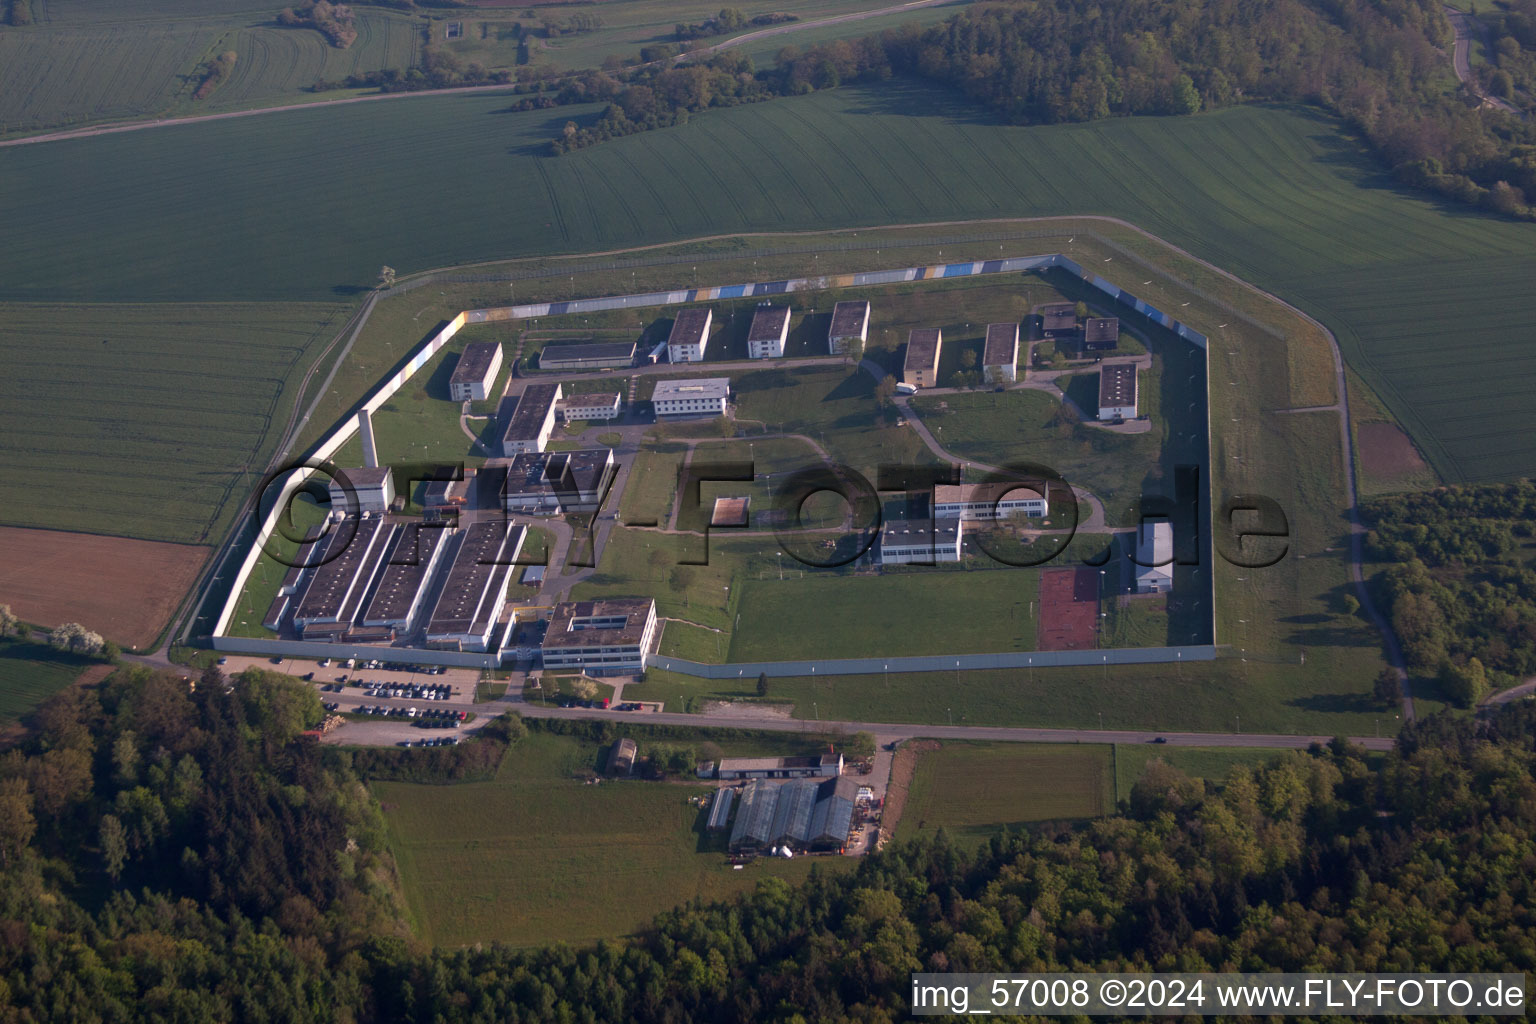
(903, 767)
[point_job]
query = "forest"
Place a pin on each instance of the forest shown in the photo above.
(1381, 65)
(1458, 583)
(184, 854)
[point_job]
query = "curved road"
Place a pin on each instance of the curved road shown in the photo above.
(1466, 26)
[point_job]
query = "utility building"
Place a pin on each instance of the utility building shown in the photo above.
(1117, 392)
(601, 637)
(1154, 556)
(1058, 320)
(373, 488)
(850, 326)
(920, 541)
(1101, 334)
(921, 366)
(690, 335)
(588, 356)
(769, 331)
(532, 420)
(337, 586)
(1000, 356)
(475, 375)
(408, 569)
(703, 397)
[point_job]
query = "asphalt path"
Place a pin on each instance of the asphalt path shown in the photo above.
(1465, 27)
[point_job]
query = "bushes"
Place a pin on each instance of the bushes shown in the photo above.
(218, 73)
(334, 21)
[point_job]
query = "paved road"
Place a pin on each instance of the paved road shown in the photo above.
(1465, 27)
(794, 26)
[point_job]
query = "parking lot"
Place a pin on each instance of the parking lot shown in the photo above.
(460, 681)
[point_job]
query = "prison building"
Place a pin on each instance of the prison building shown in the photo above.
(705, 396)
(409, 566)
(1000, 355)
(552, 483)
(1058, 320)
(1001, 500)
(1117, 392)
(920, 369)
(805, 816)
(850, 323)
(588, 407)
(588, 356)
(445, 497)
(293, 580)
(1154, 557)
(720, 810)
(815, 766)
(729, 512)
(531, 421)
(1101, 334)
(475, 590)
(475, 375)
(601, 637)
(336, 587)
(621, 758)
(769, 331)
(373, 488)
(920, 541)
(690, 335)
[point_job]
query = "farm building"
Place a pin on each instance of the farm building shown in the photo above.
(408, 569)
(588, 356)
(705, 396)
(475, 592)
(601, 637)
(532, 420)
(769, 331)
(1101, 334)
(986, 501)
(1058, 320)
(588, 407)
(1154, 556)
(690, 335)
(475, 375)
(720, 811)
(336, 587)
(850, 324)
(1000, 355)
(920, 541)
(920, 369)
(729, 512)
(1117, 391)
(805, 815)
(819, 766)
(621, 759)
(553, 483)
(373, 488)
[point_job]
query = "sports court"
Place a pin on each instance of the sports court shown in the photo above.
(1069, 606)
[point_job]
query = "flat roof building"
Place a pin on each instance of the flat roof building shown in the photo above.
(601, 637)
(532, 420)
(475, 591)
(410, 562)
(769, 331)
(447, 495)
(373, 488)
(1154, 556)
(704, 396)
(1101, 334)
(1000, 355)
(475, 375)
(850, 324)
(920, 369)
(588, 356)
(920, 541)
(720, 811)
(986, 501)
(588, 407)
(553, 483)
(1117, 391)
(690, 335)
(336, 588)
(1058, 320)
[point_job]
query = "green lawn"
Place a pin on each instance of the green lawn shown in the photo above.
(31, 673)
(537, 856)
(972, 790)
(1209, 763)
(651, 487)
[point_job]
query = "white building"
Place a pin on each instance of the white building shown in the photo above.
(986, 501)
(475, 375)
(769, 331)
(705, 396)
(920, 541)
(1117, 391)
(1154, 557)
(588, 407)
(532, 421)
(690, 335)
(850, 324)
(1000, 355)
(601, 637)
(373, 488)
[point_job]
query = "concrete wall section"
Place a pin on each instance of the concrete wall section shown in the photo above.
(936, 662)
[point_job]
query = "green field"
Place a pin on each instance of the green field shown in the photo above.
(537, 857)
(972, 790)
(1209, 763)
(31, 673)
(162, 414)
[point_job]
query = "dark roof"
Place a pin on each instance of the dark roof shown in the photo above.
(768, 323)
(475, 363)
(533, 405)
(477, 570)
(688, 327)
(443, 493)
(366, 476)
(1117, 384)
(615, 352)
(1058, 316)
(632, 610)
(848, 319)
(922, 348)
(332, 583)
(906, 532)
(1002, 348)
(564, 473)
(1101, 328)
(401, 580)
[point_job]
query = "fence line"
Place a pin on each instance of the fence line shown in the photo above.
(937, 662)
